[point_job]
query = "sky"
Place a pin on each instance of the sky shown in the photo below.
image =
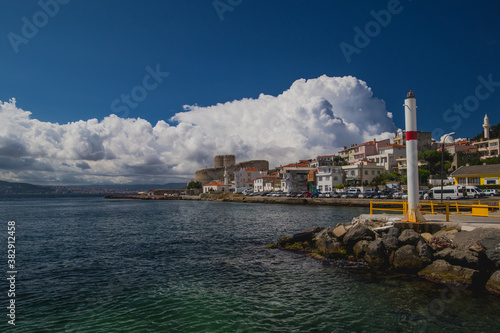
(95, 92)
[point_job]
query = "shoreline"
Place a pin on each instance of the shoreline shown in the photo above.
(434, 251)
(356, 202)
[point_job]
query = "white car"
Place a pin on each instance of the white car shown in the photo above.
(490, 192)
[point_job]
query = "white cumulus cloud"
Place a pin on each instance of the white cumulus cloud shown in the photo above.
(313, 117)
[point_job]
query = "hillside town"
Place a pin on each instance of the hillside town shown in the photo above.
(371, 165)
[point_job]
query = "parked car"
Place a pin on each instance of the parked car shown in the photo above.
(490, 192)
(397, 195)
(421, 194)
(386, 194)
(264, 194)
(307, 194)
(366, 195)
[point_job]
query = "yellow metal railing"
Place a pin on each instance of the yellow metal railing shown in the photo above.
(431, 207)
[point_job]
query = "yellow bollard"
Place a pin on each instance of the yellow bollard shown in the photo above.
(447, 212)
(371, 207)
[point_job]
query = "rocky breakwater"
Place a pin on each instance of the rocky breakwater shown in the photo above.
(434, 252)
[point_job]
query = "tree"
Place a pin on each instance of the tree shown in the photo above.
(339, 161)
(385, 177)
(423, 176)
(465, 158)
(433, 160)
(193, 184)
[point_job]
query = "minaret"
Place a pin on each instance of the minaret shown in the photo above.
(226, 176)
(486, 126)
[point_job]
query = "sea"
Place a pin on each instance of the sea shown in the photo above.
(89, 264)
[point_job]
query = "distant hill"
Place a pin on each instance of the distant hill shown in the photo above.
(26, 188)
(494, 133)
(138, 187)
(23, 188)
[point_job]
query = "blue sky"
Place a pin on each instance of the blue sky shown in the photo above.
(89, 53)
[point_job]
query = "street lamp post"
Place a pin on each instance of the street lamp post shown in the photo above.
(442, 161)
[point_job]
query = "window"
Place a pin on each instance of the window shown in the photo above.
(378, 172)
(320, 187)
(373, 172)
(491, 181)
(462, 180)
(474, 180)
(335, 178)
(352, 173)
(327, 178)
(320, 179)
(493, 144)
(366, 172)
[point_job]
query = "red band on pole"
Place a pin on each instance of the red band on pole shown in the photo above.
(411, 135)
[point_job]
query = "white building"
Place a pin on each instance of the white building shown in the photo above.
(362, 172)
(328, 177)
(388, 155)
(244, 175)
(215, 187)
(259, 183)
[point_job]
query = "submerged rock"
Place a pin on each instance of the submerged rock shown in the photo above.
(440, 271)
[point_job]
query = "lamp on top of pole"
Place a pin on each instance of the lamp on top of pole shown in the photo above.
(442, 160)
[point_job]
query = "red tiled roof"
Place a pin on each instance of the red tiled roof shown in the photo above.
(215, 184)
(393, 145)
(251, 169)
(296, 165)
(326, 156)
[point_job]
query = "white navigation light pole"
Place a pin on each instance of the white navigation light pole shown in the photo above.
(414, 214)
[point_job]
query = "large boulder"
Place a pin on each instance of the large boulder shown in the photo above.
(407, 259)
(493, 284)
(300, 237)
(394, 232)
(390, 242)
(360, 248)
(330, 247)
(425, 251)
(357, 233)
(440, 271)
(492, 247)
(448, 233)
(458, 257)
(426, 237)
(409, 236)
(375, 255)
(339, 231)
(466, 239)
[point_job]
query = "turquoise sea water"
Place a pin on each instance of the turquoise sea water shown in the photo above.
(86, 264)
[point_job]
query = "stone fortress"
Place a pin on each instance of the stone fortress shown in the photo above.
(221, 162)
